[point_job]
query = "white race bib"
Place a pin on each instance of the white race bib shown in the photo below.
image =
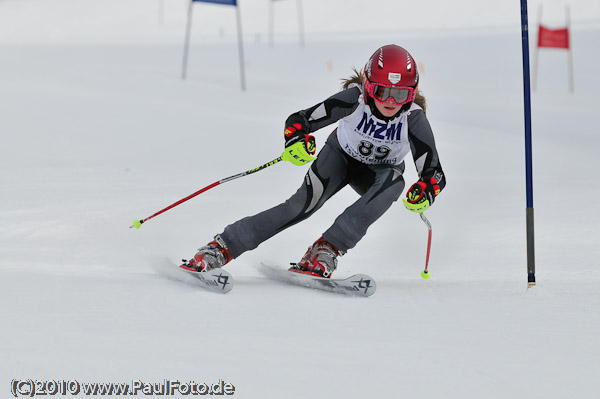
(374, 141)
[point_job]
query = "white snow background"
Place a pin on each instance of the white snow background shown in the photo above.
(98, 129)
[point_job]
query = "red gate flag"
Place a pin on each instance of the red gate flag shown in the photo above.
(553, 38)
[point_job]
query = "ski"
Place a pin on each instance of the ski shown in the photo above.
(356, 285)
(214, 280)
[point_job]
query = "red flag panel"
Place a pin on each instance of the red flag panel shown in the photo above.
(553, 38)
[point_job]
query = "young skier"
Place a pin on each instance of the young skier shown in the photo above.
(381, 117)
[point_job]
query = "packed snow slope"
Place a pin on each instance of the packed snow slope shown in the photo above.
(98, 130)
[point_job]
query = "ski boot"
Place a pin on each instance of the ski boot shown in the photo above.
(320, 260)
(213, 255)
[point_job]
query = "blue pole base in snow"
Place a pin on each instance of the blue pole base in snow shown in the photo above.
(530, 248)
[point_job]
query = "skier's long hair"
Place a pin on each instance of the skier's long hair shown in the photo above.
(357, 77)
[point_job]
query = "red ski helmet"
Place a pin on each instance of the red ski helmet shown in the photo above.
(391, 72)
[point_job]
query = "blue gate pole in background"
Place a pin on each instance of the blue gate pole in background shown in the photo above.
(188, 30)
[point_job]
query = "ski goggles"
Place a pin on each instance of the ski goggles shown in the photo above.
(382, 92)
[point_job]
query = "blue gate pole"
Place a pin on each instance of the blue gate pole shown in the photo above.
(528, 152)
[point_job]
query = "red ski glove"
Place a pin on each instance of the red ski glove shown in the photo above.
(421, 195)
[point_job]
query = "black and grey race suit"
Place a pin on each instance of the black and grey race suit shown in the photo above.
(365, 152)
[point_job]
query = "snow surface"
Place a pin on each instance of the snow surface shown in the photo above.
(98, 129)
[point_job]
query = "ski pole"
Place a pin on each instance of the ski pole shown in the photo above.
(138, 223)
(425, 273)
